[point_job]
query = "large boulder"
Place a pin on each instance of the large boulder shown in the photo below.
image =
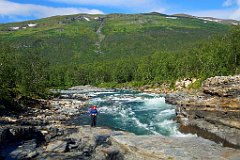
(222, 86)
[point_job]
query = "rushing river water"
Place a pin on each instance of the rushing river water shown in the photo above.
(140, 113)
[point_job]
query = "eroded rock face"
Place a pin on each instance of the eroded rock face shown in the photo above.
(216, 110)
(223, 86)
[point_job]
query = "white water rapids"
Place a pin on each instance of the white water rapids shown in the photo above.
(140, 113)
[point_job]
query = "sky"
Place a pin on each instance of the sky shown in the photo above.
(21, 10)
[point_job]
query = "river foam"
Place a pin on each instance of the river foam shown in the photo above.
(139, 113)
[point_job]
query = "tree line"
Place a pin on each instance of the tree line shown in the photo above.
(217, 56)
(29, 74)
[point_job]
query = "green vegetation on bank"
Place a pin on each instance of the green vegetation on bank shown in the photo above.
(129, 50)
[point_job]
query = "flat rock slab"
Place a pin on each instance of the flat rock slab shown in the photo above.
(184, 148)
(20, 150)
(57, 146)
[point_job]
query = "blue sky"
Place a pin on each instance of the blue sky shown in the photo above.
(20, 10)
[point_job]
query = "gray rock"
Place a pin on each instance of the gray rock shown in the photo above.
(214, 111)
(223, 86)
(175, 98)
(32, 155)
(12, 133)
(57, 146)
(181, 148)
(113, 154)
(108, 153)
(102, 139)
(218, 133)
(62, 156)
(24, 151)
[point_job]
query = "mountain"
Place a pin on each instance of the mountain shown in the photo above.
(132, 49)
(210, 19)
(84, 38)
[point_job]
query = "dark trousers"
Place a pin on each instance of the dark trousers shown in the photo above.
(93, 120)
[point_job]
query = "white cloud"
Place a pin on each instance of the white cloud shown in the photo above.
(228, 13)
(235, 14)
(227, 3)
(120, 3)
(214, 13)
(223, 14)
(12, 9)
(130, 6)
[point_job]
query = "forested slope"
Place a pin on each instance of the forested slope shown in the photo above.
(113, 49)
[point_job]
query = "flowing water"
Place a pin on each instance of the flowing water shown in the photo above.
(140, 113)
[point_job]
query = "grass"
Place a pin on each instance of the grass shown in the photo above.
(71, 40)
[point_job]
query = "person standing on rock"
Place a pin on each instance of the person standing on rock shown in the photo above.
(93, 113)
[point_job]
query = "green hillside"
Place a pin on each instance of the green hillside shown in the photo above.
(65, 39)
(112, 50)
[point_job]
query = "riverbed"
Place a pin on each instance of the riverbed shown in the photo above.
(59, 129)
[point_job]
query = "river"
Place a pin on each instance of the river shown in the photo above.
(136, 112)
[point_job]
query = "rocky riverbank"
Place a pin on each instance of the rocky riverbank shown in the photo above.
(214, 112)
(41, 133)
